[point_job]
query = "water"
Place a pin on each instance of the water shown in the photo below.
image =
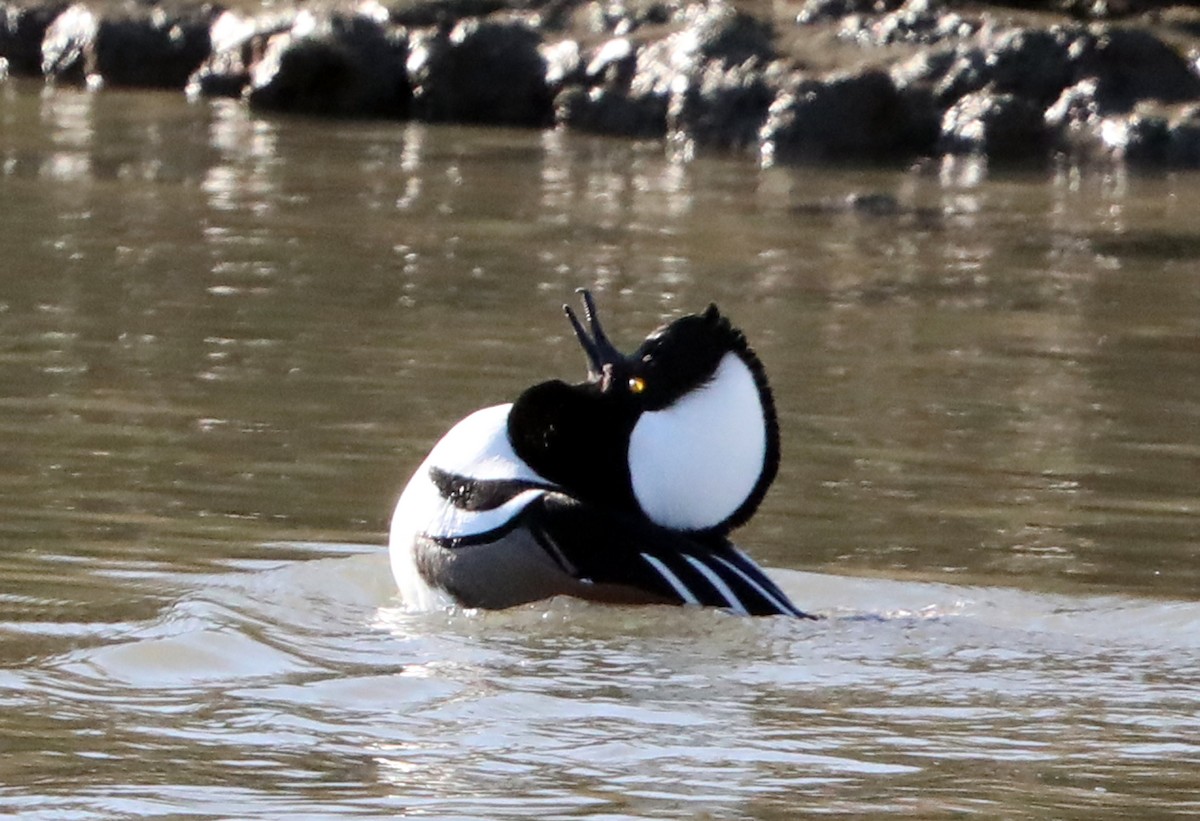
(226, 340)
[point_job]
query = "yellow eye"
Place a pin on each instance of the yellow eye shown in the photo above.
(636, 384)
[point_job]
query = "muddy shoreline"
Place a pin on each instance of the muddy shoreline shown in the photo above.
(815, 81)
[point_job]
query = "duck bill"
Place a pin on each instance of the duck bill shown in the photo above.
(596, 345)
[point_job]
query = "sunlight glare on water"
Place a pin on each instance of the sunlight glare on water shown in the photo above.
(226, 340)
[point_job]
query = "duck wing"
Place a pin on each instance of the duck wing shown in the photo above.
(515, 541)
(607, 551)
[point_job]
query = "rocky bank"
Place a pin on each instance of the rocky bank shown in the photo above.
(821, 80)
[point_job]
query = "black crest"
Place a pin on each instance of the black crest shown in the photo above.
(577, 435)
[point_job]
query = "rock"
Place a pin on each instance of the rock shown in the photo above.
(602, 17)
(703, 73)
(1151, 134)
(916, 21)
(1130, 65)
(1032, 63)
(966, 72)
(724, 108)
(483, 71)
(927, 69)
(67, 47)
(704, 83)
(844, 116)
(237, 44)
(1184, 149)
(614, 63)
(626, 91)
(337, 64)
(1070, 120)
(607, 111)
(1029, 62)
(22, 29)
(718, 32)
(996, 125)
(1136, 138)
(827, 11)
(442, 13)
(153, 46)
(564, 64)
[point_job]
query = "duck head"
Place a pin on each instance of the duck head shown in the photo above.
(683, 430)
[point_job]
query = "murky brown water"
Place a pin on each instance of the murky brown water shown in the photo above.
(225, 341)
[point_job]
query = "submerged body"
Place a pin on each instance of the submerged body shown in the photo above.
(620, 489)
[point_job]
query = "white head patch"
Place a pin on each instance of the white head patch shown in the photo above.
(694, 463)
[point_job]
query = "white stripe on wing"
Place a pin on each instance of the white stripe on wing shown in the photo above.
(717, 582)
(671, 579)
(782, 606)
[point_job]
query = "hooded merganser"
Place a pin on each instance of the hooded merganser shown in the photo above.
(622, 488)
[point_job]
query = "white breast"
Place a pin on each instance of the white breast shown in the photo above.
(694, 463)
(478, 447)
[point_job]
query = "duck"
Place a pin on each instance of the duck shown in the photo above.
(623, 488)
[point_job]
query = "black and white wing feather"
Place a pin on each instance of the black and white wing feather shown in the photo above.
(600, 548)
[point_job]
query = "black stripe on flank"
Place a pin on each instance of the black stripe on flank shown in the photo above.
(484, 537)
(469, 493)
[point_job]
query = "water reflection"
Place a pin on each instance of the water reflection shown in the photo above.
(68, 120)
(222, 335)
(986, 354)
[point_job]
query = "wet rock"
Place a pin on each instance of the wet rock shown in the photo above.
(1012, 93)
(614, 63)
(628, 91)
(843, 116)
(68, 46)
(700, 72)
(564, 64)
(929, 67)
(238, 43)
(152, 46)
(719, 32)
(1136, 138)
(1184, 149)
(1032, 63)
(704, 84)
(22, 29)
(998, 126)
(1130, 65)
(1151, 136)
(945, 74)
(1072, 118)
(1029, 62)
(482, 71)
(614, 112)
(966, 72)
(337, 64)
(724, 108)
